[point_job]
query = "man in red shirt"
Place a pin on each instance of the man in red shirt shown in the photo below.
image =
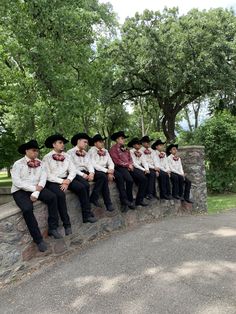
(124, 165)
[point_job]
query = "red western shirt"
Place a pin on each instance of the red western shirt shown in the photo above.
(121, 156)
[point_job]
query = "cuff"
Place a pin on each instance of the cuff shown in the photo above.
(35, 194)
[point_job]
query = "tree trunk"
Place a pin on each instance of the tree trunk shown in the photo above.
(168, 127)
(188, 119)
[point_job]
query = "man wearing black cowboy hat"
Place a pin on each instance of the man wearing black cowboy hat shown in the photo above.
(164, 170)
(61, 177)
(181, 185)
(153, 166)
(84, 167)
(141, 169)
(123, 165)
(104, 170)
(29, 179)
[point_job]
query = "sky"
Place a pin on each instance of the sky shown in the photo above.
(126, 8)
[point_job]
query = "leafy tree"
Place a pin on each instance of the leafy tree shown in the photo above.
(175, 59)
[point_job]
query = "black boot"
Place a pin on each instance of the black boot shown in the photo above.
(42, 246)
(54, 233)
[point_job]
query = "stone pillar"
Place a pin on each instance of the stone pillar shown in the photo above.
(193, 160)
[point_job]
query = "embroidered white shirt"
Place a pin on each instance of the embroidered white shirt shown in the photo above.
(100, 163)
(26, 178)
(139, 162)
(80, 163)
(58, 170)
(175, 165)
(150, 158)
(162, 162)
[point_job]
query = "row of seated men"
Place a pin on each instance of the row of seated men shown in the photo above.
(48, 180)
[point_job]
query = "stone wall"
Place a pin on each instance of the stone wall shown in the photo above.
(5, 195)
(19, 255)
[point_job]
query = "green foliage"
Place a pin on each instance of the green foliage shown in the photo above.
(218, 135)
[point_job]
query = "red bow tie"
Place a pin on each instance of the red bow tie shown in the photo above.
(33, 163)
(147, 152)
(176, 158)
(80, 153)
(161, 155)
(137, 153)
(101, 152)
(58, 157)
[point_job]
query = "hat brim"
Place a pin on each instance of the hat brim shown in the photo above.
(115, 137)
(22, 149)
(77, 137)
(52, 139)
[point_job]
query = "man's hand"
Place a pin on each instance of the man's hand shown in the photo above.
(33, 199)
(131, 168)
(39, 188)
(91, 176)
(157, 173)
(147, 171)
(64, 187)
(110, 177)
(157, 169)
(110, 171)
(85, 176)
(66, 182)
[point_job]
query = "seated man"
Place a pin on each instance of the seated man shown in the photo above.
(104, 170)
(61, 176)
(29, 179)
(84, 167)
(123, 165)
(151, 160)
(180, 184)
(164, 170)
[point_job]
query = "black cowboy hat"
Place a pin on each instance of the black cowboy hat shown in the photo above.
(134, 141)
(79, 136)
(31, 144)
(115, 135)
(53, 138)
(170, 147)
(146, 139)
(156, 143)
(96, 138)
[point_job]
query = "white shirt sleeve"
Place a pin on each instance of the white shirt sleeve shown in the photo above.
(18, 181)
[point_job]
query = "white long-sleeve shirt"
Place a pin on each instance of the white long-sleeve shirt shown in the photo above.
(57, 170)
(26, 178)
(175, 165)
(162, 161)
(100, 163)
(150, 158)
(139, 162)
(80, 163)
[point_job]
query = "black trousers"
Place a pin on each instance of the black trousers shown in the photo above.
(101, 186)
(151, 185)
(180, 185)
(128, 178)
(164, 184)
(80, 190)
(22, 199)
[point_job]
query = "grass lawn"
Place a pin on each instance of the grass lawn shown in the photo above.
(218, 203)
(4, 180)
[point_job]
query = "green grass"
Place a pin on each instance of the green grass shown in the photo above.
(4, 180)
(218, 203)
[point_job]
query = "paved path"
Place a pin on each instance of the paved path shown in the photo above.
(179, 265)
